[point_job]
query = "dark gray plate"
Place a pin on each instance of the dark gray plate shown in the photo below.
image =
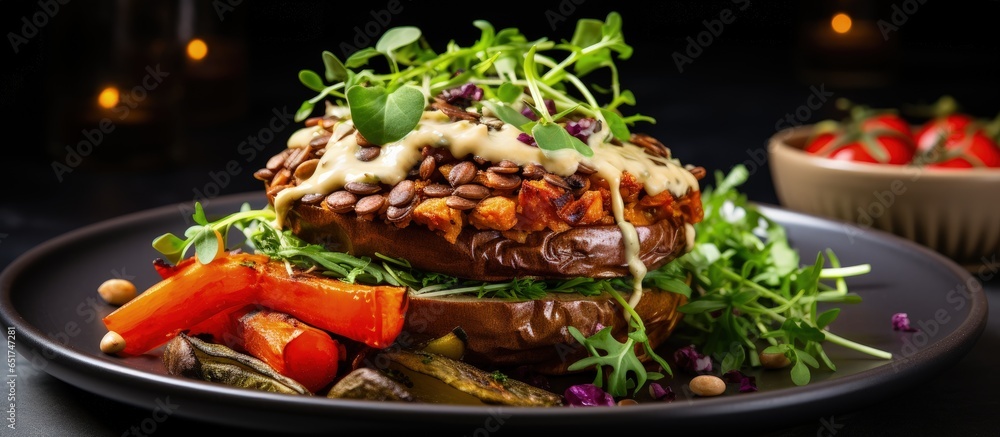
(49, 297)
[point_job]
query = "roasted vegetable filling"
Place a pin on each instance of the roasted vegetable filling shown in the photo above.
(447, 194)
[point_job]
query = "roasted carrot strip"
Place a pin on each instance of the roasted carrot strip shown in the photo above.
(189, 296)
(165, 270)
(299, 351)
(370, 314)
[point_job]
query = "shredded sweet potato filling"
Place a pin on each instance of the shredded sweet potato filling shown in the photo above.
(437, 216)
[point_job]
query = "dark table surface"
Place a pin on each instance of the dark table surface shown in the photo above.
(716, 111)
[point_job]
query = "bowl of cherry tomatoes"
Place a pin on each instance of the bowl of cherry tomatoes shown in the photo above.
(936, 181)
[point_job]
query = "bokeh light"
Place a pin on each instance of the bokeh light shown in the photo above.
(108, 98)
(197, 49)
(841, 23)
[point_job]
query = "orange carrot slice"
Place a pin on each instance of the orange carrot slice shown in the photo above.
(369, 314)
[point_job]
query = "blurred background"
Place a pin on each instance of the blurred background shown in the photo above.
(116, 106)
(123, 105)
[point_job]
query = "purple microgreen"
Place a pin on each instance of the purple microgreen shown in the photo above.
(530, 112)
(901, 322)
(463, 95)
(583, 128)
(661, 393)
(747, 383)
(689, 359)
(588, 395)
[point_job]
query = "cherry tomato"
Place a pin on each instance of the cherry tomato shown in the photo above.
(894, 149)
(956, 141)
(886, 121)
(880, 138)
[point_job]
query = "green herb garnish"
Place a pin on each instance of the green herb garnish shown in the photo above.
(627, 371)
(385, 106)
(752, 291)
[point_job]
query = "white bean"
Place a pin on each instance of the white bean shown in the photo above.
(707, 385)
(117, 291)
(112, 343)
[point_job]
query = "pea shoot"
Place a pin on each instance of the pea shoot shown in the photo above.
(385, 106)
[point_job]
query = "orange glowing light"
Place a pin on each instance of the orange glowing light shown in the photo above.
(108, 98)
(841, 23)
(197, 49)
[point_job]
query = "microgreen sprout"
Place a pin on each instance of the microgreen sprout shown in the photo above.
(751, 292)
(501, 65)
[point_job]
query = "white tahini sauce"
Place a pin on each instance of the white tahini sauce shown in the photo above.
(339, 165)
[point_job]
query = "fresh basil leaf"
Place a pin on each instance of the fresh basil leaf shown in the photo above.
(335, 70)
(382, 116)
(552, 137)
(616, 124)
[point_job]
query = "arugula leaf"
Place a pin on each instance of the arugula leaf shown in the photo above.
(751, 292)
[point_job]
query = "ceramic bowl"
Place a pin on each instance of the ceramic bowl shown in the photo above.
(955, 212)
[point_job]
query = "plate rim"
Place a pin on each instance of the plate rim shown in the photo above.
(891, 378)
